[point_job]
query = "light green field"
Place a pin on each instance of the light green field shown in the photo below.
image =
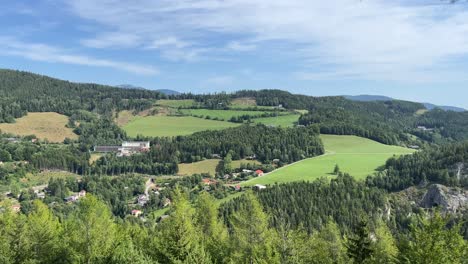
(166, 126)
(176, 103)
(283, 121)
(222, 114)
(46, 125)
(357, 156)
(208, 166)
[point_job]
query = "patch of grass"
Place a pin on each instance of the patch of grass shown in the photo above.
(357, 156)
(225, 115)
(42, 178)
(47, 125)
(176, 103)
(124, 117)
(283, 121)
(94, 157)
(421, 112)
(237, 163)
(208, 166)
(168, 126)
(205, 166)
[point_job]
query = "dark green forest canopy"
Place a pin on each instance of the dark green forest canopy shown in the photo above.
(22, 92)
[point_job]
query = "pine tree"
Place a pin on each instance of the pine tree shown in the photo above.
(336, 171)
(214, 233)
(384, 248)
(360, 245)
(252, 239)
(91, 231)
(179, 240)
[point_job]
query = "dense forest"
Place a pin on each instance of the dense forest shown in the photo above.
(22, 92)
(195, 233)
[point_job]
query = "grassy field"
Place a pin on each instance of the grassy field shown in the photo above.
(222, 114)
(357, 156)
(165, 126)
(205, 166)
(176, 103)
(283, 121)
(49, 125)
(208, 166)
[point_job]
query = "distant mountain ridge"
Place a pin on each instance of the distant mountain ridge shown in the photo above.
(164, 91)
(370, 98)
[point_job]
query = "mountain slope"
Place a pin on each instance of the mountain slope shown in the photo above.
(370, 98)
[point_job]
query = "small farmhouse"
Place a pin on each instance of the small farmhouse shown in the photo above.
(259, 173)
(136, 213)
(259, 187)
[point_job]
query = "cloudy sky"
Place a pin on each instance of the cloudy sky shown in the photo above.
(409, 49)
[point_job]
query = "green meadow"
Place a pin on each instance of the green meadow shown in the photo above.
(357, 156)
(176, 103)
(280, 121)
(219, 114)
(166, 126)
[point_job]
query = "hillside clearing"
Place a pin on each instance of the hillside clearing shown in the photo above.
(47, 125)
(282, 121)
(168, 126)
(224, 115)
(176, 103)
(208, 166)
(357, 156)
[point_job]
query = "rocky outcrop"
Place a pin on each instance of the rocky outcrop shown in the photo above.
(450, 200)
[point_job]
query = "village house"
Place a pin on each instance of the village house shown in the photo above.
(16, 208)
(215, 156)
(208, 181)
(259, 187)
(40, 195)
(12, 140)
(259, 173)
(71, 199)
(82, 193)
(423, 128)
(247, 171)
(137, 213)
(142, 200)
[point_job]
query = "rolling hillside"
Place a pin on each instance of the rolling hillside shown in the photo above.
(357, 156)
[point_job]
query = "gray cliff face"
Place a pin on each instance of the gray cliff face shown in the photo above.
(450, 200)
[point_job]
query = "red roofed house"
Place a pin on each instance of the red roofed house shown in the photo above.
(259, 173)
(136, 213)
(208, 181)
(16, 208)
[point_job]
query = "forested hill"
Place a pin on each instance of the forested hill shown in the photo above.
(22, 92)
(390, 122)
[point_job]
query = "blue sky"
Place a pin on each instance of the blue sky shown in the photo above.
(408, 49)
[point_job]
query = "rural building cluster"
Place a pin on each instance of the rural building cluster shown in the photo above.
(128, 148)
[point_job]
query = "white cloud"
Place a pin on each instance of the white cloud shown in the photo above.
(113, 39)
(47, 53)
(239, 46)
(381, 39)
(168, 42)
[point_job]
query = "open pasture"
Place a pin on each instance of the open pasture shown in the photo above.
(47, 125)
(357, 156)
(168, 126)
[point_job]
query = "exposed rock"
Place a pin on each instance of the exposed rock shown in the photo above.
(449, 200)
